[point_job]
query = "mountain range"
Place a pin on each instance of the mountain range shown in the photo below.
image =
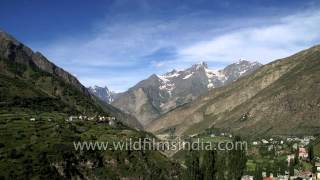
(245, 98)
(158, 94)
(280, 98)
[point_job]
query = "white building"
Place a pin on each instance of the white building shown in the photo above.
(290, 158)
(72, 118)
(112, 123)
(264, 141)
(247, 177)
(91, 118)
(255, 143)
(283, 177)
(318, 170)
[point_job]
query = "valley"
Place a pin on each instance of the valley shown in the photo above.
(119, 92)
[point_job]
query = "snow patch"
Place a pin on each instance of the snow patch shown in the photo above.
(173, 75)
(188, 76)
(166, 84)
(242, 72)
(214, 73)
(210, 85)
(163, 78)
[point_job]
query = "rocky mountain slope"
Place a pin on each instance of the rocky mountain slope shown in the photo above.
(12, 49)
(157, 95)
(36, 98)
(19, 61)
(103, 93)
(279, 98)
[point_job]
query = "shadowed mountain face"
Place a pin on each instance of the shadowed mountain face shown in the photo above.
(15, 51)
(157, 95)
(22, 64)
(103, 93)
(279, 98)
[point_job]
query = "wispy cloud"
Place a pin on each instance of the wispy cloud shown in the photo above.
(119, 53)
(289, 35)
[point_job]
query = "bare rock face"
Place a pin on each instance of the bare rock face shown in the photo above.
(103, 93)
(159, 94)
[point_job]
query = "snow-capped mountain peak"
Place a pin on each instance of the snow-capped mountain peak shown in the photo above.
(161, 93)
(172, 73)
(173, 81)
(198, 66)
(102, 93)
(214, 73)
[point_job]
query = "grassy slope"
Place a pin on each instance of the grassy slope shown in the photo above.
(44, 149)
(22, 83)
(290, 105)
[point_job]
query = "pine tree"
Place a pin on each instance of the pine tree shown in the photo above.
(296, 158)
(237, 161)
(193, 166)
(311, 153)
(291, 168)
(268, 169)
(220, 166)
(208, 165)
(258, 172)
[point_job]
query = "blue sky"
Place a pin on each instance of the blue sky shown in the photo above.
(120, 42)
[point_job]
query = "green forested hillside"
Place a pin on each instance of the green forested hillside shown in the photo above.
(43, 149)
(38, 143)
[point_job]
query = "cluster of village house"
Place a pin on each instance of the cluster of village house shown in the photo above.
(304, 175)
(299, 145)
(223, 134)
(100, 119)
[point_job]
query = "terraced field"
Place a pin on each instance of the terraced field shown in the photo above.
(44, 149)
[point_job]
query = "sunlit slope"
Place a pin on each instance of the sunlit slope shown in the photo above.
(280, 98)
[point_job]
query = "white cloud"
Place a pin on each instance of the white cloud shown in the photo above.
(119, 44)
(289, 35)
(122, 45)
